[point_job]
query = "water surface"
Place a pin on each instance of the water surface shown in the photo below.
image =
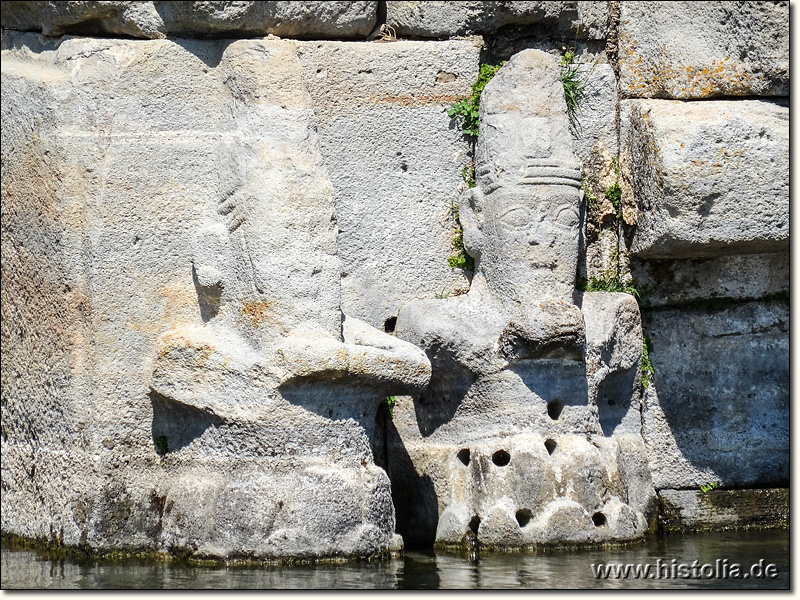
(427, 570)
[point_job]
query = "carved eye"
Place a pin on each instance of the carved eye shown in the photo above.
(566, 215)
(516, 218)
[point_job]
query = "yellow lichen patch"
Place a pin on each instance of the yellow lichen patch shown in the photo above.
(410, 101)
(180, 302)
(174, 340)
(255, 313)
(179, 305)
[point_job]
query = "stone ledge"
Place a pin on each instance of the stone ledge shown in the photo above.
(683, 511)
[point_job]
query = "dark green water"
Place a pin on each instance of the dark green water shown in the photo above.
(426, 570)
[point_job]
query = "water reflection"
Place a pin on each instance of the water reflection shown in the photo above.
(425, 570)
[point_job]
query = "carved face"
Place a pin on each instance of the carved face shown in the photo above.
(531, 238)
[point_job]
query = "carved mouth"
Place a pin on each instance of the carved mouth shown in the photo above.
(543, 265)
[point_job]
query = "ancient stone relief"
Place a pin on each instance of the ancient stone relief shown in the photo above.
(529, 431)
(265, 404)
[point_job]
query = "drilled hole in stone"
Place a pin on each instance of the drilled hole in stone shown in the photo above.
(389, 324)
(599, 519)
(474, 523)
(501, 458)
(463, 456)
(523, 517)
(554, 408)
(550, 445)
(611, 402)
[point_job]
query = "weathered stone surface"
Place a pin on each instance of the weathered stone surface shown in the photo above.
(506, 447)
(710, 178)
(613, 353)
(189, 19)
(693, 50)
(594, 127)
(395, 160)
(449, 19)
(693, 510)
(714, 279)
(211, 398)
(719, 408)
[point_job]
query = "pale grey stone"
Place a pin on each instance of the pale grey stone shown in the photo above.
(682, 282)
(710, 178)
(449, 19)
(718, 408)
(211, 397)
(395, 160)
(594, 127)
(194, 19)
(613, 355)
(691, 50)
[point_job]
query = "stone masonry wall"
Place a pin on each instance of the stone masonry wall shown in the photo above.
(118, 118)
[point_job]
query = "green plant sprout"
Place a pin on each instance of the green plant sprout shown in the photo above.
(707, 487)
(465, 111)
(390, 402)
(468, 173)
(614, 195)
(591, 199)
(461, 260)
(647, 365)
(574, 83)
(609, 284)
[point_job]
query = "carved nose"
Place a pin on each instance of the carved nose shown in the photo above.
(534, 239)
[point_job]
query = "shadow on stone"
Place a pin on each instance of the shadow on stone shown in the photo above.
(176, 425)
(614, 399)
(415, 502)
(449, 385)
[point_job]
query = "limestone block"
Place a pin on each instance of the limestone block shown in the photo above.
(154, 20)
(395, 160)
(692, 50)
(613, 354)
(718, 411)
(710, 178)
(449, 19)
(593, 128)
(723, 510)
(194, 384)
(740, 277)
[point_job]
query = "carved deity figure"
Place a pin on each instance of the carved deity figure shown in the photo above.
(528, 433)
(264, 406)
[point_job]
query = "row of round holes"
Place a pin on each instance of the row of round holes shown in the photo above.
(524, 516)
(501, 458)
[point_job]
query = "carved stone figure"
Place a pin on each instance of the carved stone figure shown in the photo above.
(529, 431)
(268, 401)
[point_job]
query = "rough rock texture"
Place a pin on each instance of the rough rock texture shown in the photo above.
(714, 279)
(691, 50)
(447, 19)
(718, 411)
(692, 510)
(710, 177)
(154, 20)
(594, 126)
(186, 223)
(506, 448)
(395, 160)
(211, 398)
